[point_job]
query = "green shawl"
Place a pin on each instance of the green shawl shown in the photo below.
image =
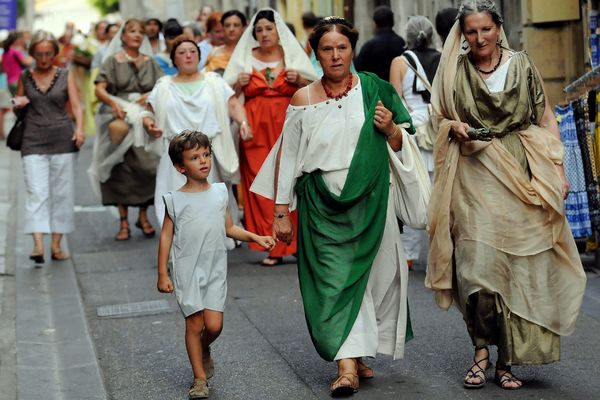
(339, 236)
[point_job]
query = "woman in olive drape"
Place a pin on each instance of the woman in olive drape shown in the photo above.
(496, 221)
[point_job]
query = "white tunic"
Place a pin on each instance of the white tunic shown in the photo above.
(323, 137)
(198, 253)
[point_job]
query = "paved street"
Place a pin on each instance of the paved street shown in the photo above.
(264, 352)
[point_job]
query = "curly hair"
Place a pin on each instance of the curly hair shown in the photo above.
(479, 6)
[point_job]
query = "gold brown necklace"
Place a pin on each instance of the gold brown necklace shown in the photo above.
(338, 96)
(493, 69)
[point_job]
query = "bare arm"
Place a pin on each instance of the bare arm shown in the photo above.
(237, 233)
(76, 107)
(103, 95)
(238, 113)
(397, 72)
(164, 283)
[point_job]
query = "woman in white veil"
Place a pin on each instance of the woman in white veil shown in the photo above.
(268, 65)
(122, 172)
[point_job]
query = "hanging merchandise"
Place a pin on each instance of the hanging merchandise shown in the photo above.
(576, 204)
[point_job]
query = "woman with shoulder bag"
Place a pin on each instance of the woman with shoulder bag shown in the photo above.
(49, 146)
(411, 75)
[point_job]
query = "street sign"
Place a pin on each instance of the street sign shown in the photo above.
(8, 14)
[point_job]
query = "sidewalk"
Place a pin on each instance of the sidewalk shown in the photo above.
(45, 346)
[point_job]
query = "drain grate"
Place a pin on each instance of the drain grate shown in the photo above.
(134, 309)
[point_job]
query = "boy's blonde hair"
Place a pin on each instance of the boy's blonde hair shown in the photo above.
(187, 140)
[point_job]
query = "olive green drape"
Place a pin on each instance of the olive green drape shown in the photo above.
(339, 236)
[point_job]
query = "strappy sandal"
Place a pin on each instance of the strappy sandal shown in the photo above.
(478, 373)
(338, 388)
(120, 237)
(506, 378)
(146, 228)
(364, 371)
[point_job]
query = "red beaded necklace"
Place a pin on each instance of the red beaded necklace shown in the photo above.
(330, 94)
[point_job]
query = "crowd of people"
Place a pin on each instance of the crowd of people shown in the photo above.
(331, 154)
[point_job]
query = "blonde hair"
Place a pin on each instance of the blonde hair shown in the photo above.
(42, 36)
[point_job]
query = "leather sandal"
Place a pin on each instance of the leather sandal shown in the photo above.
(477, 372)
(339, 388)
(120, 236)
(506, 378)
(146, 228)
(364, 371)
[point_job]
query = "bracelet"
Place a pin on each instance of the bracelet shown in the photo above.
(560, 163)
(282, 215)
(244, 122)
(394, 134)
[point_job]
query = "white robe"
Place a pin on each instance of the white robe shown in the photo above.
(323, 137)
(205, 111)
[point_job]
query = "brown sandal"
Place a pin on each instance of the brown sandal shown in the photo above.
(124, 231)
(146, 228)
(339, 388)
(364, 371)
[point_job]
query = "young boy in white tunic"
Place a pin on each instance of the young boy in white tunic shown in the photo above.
(193, 234)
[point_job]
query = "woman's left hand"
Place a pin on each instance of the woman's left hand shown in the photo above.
(292, 76)
(78, 138)
(384, 119)
(245, 131)
(566, 188)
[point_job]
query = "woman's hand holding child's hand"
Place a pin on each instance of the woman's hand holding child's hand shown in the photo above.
(265, 241)
(164, 284)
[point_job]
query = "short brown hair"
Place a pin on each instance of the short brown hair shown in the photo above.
(179, 40)
(132, 21)
(43, 36)
(187, 140)
(213, 20)
(331, 24)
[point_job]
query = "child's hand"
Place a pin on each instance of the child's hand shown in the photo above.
(164, 284)
(265, 241)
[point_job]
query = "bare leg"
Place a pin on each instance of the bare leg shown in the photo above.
(144, 224)
(194, 324)
(124, 232)
(38, 243)
(476, 375)
(213, 325)
(56, 238)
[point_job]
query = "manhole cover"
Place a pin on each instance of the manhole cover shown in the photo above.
(134, 309)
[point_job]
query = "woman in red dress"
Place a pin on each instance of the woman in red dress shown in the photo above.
(268, 75)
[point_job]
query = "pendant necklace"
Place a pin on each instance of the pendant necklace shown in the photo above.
(493, 69)
(330, 94)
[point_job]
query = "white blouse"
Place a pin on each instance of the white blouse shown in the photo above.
(497, 80)
(319, 136)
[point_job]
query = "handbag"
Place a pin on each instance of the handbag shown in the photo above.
(14, 140)
(425, 134)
